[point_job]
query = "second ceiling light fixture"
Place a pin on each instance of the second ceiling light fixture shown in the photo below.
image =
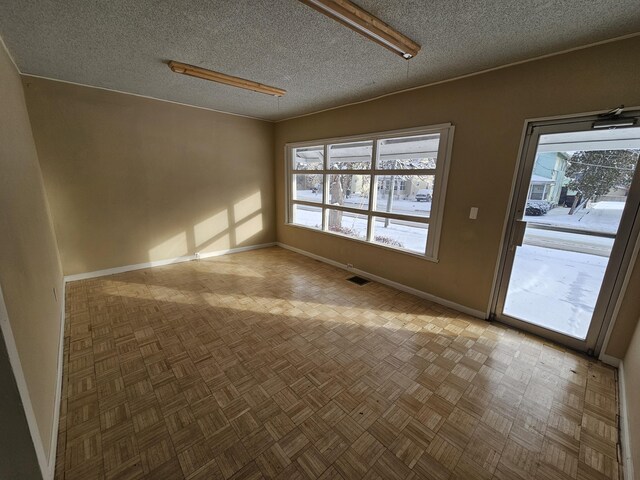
(343, 11)
(371, 27)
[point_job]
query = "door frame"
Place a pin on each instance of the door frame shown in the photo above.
(614, 282)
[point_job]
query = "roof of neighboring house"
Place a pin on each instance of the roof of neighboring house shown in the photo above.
(540, 179)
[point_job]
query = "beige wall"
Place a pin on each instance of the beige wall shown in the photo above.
(29, 264)
(489, 112)
(627, 316)
(631, 371)
(132, 180)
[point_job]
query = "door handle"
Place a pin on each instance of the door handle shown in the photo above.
(519, 227)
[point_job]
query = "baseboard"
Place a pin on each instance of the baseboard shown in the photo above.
(234, 250)
(398, 286)
(23, 390)
(609, 360)
(159, 263)
(58, 399)
(627, 459)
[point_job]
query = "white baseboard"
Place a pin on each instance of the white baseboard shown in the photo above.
(627, 459)
(159, 263)
(609, 360)
(58, 399)
(14, 359)
(398, 286)
(235, 250)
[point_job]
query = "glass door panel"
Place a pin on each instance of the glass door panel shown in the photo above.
(573, 198)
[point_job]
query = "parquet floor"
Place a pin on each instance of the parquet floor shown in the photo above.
(267, 364)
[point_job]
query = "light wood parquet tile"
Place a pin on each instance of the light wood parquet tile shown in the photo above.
(267, 364)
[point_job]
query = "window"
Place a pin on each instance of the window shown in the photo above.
(385, 189)
(537, 192)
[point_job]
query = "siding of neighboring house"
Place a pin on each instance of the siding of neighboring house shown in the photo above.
(549, 169)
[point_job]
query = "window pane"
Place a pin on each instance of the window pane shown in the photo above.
(537, 191)
(307, 187)
(308, 158)
(350, 156)
(400, 234)
(408, 152)
(307, 216)
(412, 194)
(346, 223)
(349, 190)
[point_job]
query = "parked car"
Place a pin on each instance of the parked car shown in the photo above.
(423, 195)
(537, 208)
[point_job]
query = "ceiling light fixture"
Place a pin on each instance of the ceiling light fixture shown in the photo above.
(205, 74)
(361, 21)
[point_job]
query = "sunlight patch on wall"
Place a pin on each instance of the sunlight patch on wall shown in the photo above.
(176, 246)
(218, 245)
(210, 228)
(247, 207)
(249, 228)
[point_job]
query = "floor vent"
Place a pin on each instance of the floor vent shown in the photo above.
(358, 280)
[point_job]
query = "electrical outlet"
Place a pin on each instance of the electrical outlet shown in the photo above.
(197, 255)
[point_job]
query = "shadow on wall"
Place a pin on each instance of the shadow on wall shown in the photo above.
(229, 228)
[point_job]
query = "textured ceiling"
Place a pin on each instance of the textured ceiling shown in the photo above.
(122, 45)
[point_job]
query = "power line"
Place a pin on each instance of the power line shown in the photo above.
(601, 166)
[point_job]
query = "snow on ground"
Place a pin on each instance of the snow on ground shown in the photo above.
(555, 289)
(557, 275)
(412, 236)
(601, 217)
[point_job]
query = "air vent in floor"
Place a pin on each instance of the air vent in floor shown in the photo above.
(358, 280)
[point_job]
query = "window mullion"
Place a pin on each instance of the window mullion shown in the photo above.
(363, 171)
(372, 191)
(408, 171)
(325, 167)
(399, 216)
(306, 202)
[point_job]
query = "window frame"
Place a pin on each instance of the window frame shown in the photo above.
(440, 173)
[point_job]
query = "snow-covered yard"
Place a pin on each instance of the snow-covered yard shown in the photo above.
(412, 236)
(557, 275)
(555, 289)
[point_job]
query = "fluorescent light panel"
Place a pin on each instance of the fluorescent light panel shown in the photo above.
(203, 73)
(365, 24)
